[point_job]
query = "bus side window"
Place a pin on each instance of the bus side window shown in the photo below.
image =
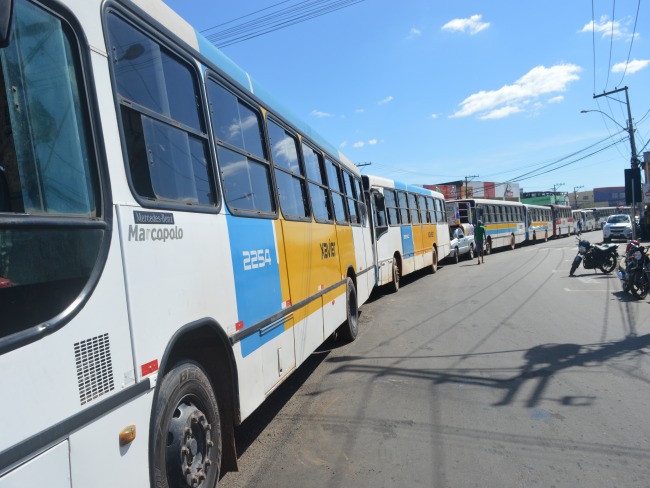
(163, 123)
(245, 171)
(391, 207)
(321, 202)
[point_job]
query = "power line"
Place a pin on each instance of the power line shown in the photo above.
(611, 45)
(629, 53)
(276, 20)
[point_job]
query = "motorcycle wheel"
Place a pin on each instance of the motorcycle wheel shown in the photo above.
(640, 287)
(608, 264)
(574, 266)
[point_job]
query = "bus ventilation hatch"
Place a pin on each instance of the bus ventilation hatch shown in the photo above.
(94, 367)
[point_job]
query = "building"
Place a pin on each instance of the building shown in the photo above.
(477, 189)
(610, 196)
(545, 198)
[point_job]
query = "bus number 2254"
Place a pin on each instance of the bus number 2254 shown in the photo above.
(256, 258)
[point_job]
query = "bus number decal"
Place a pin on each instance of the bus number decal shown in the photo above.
(328, 249)
(256, 258)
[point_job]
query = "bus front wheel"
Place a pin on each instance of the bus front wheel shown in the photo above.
(187, 430)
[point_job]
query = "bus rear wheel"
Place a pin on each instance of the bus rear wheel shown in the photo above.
(396, 276)
(512, 242)
(349, 330)
(434, 262)
(187, 430)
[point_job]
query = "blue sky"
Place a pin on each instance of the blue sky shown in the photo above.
(430, 92)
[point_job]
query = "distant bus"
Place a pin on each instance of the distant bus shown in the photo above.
(602, 213)
(586, 216)
(409, 228)
(562, 220)
(503, 220)
(539, 222)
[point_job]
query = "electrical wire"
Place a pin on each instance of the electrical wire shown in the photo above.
(629, 53)
(273, 21)
(611, 44)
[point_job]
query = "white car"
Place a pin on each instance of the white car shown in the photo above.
(461, 244)
(617, 227)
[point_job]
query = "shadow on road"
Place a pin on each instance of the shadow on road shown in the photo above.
(541, 364)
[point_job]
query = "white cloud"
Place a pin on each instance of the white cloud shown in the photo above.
(413, 33)
(608, 28)
(632, 67)
(386, 100)
(511, 99)
(557, 99)
(320, 115)
(372, 142)
(500, 113)
(360, 110)
(344, 143)
(358, 144)
(473, 25)
(434, 116)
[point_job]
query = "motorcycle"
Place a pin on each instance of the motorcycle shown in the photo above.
(634, 276)
(595, 256)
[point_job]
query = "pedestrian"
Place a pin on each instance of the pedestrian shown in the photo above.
(479, 238)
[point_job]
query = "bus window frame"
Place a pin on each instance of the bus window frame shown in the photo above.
(98, 163)
(201, 96)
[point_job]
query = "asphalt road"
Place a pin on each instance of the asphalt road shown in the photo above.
(507, 374)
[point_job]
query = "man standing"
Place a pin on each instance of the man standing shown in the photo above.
(479, 238)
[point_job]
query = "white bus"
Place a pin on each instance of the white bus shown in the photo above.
(409, 228)
(539, 222)
(172, 246)
(503, 220)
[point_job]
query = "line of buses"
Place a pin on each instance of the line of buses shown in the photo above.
(174, 244)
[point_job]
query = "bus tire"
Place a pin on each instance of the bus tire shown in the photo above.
(512, 242)
(434, 260)
(396, 276)
(349, 330)
(488, 246)
(187, 430)
(546, 236)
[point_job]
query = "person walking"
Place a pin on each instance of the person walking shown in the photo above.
(479, 238)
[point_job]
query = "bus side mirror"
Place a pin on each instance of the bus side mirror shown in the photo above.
(6, 21)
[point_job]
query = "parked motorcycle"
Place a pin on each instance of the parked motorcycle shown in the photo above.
(595, 256)
(634, 276)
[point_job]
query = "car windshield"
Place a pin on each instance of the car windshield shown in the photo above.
(619, 219)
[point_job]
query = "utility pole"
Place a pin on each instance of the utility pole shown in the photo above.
(575, 194)
(634, 160)
(557, 185)
(469, 178)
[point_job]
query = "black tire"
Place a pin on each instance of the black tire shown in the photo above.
(396, 275)
(349, 330)
(574, 266)
(187, 430)
(434, 261)
(512, 243)
(609, 264)
(546, 236)
(488, 246)
(456, 256)
(471, 252)
(607, 239)
(639, 287)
